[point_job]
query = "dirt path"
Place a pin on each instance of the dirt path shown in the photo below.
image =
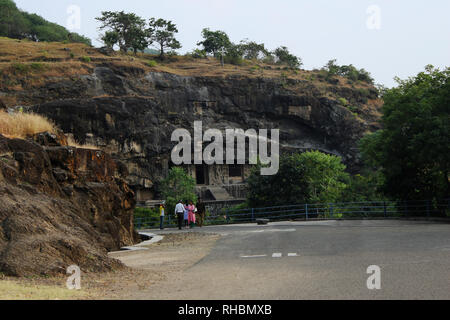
(147, 273)
(150, 270)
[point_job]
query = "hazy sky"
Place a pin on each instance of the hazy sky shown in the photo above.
(387, 37)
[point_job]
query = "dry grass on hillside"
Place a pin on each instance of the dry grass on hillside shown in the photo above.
(26, 66)
(21, 59)
(21, 125)
(22, 290)
(73, 143)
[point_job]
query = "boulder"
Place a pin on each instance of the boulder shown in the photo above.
(106, 51)
(61, 206)
(262, 221)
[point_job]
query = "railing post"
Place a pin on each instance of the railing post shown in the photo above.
(385, 209)
(253, 214)
(331, 210)
(448, 206)
(306, 211)
(428, 208)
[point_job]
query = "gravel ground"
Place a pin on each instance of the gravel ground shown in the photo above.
(165, 260)
(162, 261)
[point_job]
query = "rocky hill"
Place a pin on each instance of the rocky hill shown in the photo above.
(61, 206)
(129, 106)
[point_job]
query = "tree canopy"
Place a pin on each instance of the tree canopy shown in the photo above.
(18, 24)
(283, 56)
(348, 71)
(163, 33)
(215, 42)
(124, 29)
(131, 32)
(219, 45)
(311, 177)
(413, 149)
(177, 186)
(253, 51)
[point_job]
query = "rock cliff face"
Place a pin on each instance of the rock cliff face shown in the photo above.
(61, 206)
(129, 107)
(132, 114)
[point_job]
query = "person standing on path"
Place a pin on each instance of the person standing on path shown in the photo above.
(161, 216)
(186, 216)
(179, 212)
(201, 211)
(191, 216)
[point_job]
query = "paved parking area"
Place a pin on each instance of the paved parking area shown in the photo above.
(320, 260)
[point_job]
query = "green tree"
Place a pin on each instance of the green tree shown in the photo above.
(128, 27)
(215, 42)
(332, 68)
(233, 54)
(12, 22)
(42, 30)
(311, 177)
(283, 56)
(77, 38)
(18, 24)
(350, 72)
(366, 186)
(163, 33)
(139, 40)
(177, 186)
(325, 176)
(198, 54)
(110, 38)
(413, 149)
(252, 50)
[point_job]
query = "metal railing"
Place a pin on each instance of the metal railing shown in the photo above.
(346, 210)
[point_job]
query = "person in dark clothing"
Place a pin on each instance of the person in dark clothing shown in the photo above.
(179, 212)
(201, 212)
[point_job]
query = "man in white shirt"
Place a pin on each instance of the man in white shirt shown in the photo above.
(179, 211)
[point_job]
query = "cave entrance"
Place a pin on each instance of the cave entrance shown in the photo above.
(235, 171)
(201, 174)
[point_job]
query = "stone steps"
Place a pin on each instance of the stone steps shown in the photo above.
(220, 193)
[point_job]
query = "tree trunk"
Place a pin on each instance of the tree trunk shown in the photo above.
(162, 51)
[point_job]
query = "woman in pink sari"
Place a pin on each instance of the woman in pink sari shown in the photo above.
(191, 209)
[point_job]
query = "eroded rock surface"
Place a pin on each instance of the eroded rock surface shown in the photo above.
(137, 113)
(61, 206)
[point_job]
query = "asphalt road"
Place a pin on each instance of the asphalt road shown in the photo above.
(321, 260)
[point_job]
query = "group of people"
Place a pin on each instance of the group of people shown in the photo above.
(188, 215)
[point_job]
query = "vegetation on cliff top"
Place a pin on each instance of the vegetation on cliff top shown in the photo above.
(26, 65)
(18, 24)
(128, 31)
(33, 61)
